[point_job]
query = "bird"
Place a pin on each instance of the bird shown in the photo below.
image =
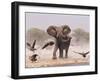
(33, 58)
(83, 53)
(48, 44)
(32, 47)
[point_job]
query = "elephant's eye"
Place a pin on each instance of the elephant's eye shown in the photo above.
(65, 30)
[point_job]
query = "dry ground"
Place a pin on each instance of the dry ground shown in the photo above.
(45, 57)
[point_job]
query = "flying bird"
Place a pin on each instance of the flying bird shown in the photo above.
(83, 54)
(33, 58)
(32, 47)
(48, 44)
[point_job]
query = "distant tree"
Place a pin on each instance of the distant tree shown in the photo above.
(37, 34)
(81, 35)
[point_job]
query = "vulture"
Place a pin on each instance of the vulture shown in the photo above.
(31, 47)
(83, 53)
(48, 44)
(33, 58)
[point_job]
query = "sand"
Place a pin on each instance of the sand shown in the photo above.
(45, 57)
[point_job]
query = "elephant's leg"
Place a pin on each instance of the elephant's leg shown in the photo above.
(61, 53)
(54, 53)
(67, 48)
(66, 52)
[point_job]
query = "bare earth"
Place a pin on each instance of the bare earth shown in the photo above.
(45, 57)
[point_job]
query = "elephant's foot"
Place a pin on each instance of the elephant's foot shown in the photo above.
(66, 56)
(61, 57)
(54, 58)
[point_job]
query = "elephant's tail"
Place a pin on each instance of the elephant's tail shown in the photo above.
(48, 44)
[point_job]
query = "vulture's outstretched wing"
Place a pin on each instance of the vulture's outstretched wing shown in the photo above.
(34, 42)
(48, 44)
(78, 53)
(87, 53)
(81, 53)
(28, 44)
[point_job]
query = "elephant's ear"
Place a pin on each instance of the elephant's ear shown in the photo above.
(52, 31)
(66, 29)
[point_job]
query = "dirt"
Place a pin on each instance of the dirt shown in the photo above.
(45, 57)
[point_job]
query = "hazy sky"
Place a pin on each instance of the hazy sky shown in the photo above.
(43, 20)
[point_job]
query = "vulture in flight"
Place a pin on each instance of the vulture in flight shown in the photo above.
(48, 44)
(31, 47)
(83, 53)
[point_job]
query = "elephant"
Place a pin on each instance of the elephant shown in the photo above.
(62, 39)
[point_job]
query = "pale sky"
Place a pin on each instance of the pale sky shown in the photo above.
(43, 20)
